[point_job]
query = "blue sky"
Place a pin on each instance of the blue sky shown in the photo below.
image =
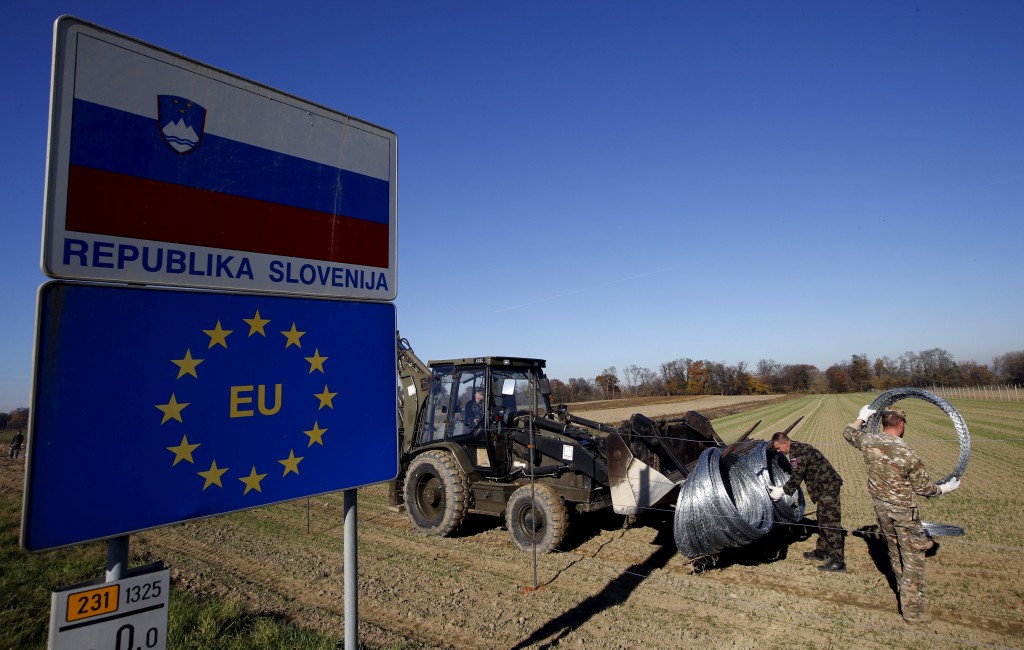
(606, 183)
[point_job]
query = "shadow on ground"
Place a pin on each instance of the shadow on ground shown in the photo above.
(616, 592)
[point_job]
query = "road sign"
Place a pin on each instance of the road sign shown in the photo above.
(156, 406)
(163, 170)
(128, 614)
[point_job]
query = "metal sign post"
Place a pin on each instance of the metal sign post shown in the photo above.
(351, 567)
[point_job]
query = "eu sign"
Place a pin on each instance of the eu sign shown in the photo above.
(155, 406)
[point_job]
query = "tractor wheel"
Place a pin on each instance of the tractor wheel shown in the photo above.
(436, 493)
(536, 516)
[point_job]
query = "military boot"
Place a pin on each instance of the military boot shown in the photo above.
(833, 566)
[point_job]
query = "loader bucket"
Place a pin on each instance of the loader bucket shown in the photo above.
(647, 460)
(634, 484)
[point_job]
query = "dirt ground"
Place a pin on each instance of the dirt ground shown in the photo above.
(610, 586)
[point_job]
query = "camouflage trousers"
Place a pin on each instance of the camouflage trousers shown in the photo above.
(907, 544)
(830, 527)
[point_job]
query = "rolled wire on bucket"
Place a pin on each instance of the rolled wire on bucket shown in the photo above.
(772, 470)
(713, 514)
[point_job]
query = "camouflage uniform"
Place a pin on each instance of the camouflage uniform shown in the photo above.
(823, 482)
(895, 475)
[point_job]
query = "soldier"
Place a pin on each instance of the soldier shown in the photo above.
(16, 443)
(823, 483)
(474, 410)
(895, 475)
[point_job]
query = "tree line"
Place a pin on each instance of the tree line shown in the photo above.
(702, 377)
(16, 419)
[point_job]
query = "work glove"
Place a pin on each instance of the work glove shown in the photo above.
(775, 492)
(949, 485)
(865, 413)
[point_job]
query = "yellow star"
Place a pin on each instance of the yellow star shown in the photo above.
(316, 362)
(218, 336)
(256, 324)
(325, 398)
(213, 475)
(183, 451)
(252, 481)
(291, 464)
(316, 434)
(293, 336)
(187, 366)
(172, 409)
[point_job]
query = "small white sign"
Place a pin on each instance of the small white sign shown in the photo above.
(129, 614)
(567, 453)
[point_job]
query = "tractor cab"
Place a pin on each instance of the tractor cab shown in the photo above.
(472, 403)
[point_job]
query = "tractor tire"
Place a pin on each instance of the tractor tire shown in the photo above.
(536, 516)
(436, 493)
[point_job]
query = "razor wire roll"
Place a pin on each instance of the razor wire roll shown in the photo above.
(941, 530)
(722, 504)
(890, 397)
(772, 469)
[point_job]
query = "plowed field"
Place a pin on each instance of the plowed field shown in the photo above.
(617, 587)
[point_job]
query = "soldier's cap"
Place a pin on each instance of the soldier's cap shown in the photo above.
(895, 410)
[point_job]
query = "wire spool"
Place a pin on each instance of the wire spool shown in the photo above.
(890, 397)
(714, 512)
(941, 530)
(772, 470)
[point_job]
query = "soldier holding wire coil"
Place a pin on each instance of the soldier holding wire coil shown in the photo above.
(896, 476)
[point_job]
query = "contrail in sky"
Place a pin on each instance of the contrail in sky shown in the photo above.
(1001, 181)
(591, 287)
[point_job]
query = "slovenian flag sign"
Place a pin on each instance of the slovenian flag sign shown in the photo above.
(151, 147)
(157, 406)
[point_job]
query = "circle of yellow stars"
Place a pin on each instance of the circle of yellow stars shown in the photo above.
(188, 367)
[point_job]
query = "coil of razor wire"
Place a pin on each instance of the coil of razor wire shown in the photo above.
(941, 530)
(890, 397)
(715, 512)
(764, 462)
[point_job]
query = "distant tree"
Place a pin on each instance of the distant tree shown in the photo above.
(650, 383)
(699, 378)
(3, 420)
(938, 367)
(769, 371)
(838, 379)
(720, 376)
(18, 418)
(757, 387)
(634, 376)
(609, 382)
(819, 383)
(859, 373)
(559, 391)
(740, 380)
(797, 378)
(910, 369)
(887, 373)
(580, 389)
(972, 374)
(673, 373)
(1010, 367)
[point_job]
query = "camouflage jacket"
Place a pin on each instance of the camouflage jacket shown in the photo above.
(895, 472)
(810, 465)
